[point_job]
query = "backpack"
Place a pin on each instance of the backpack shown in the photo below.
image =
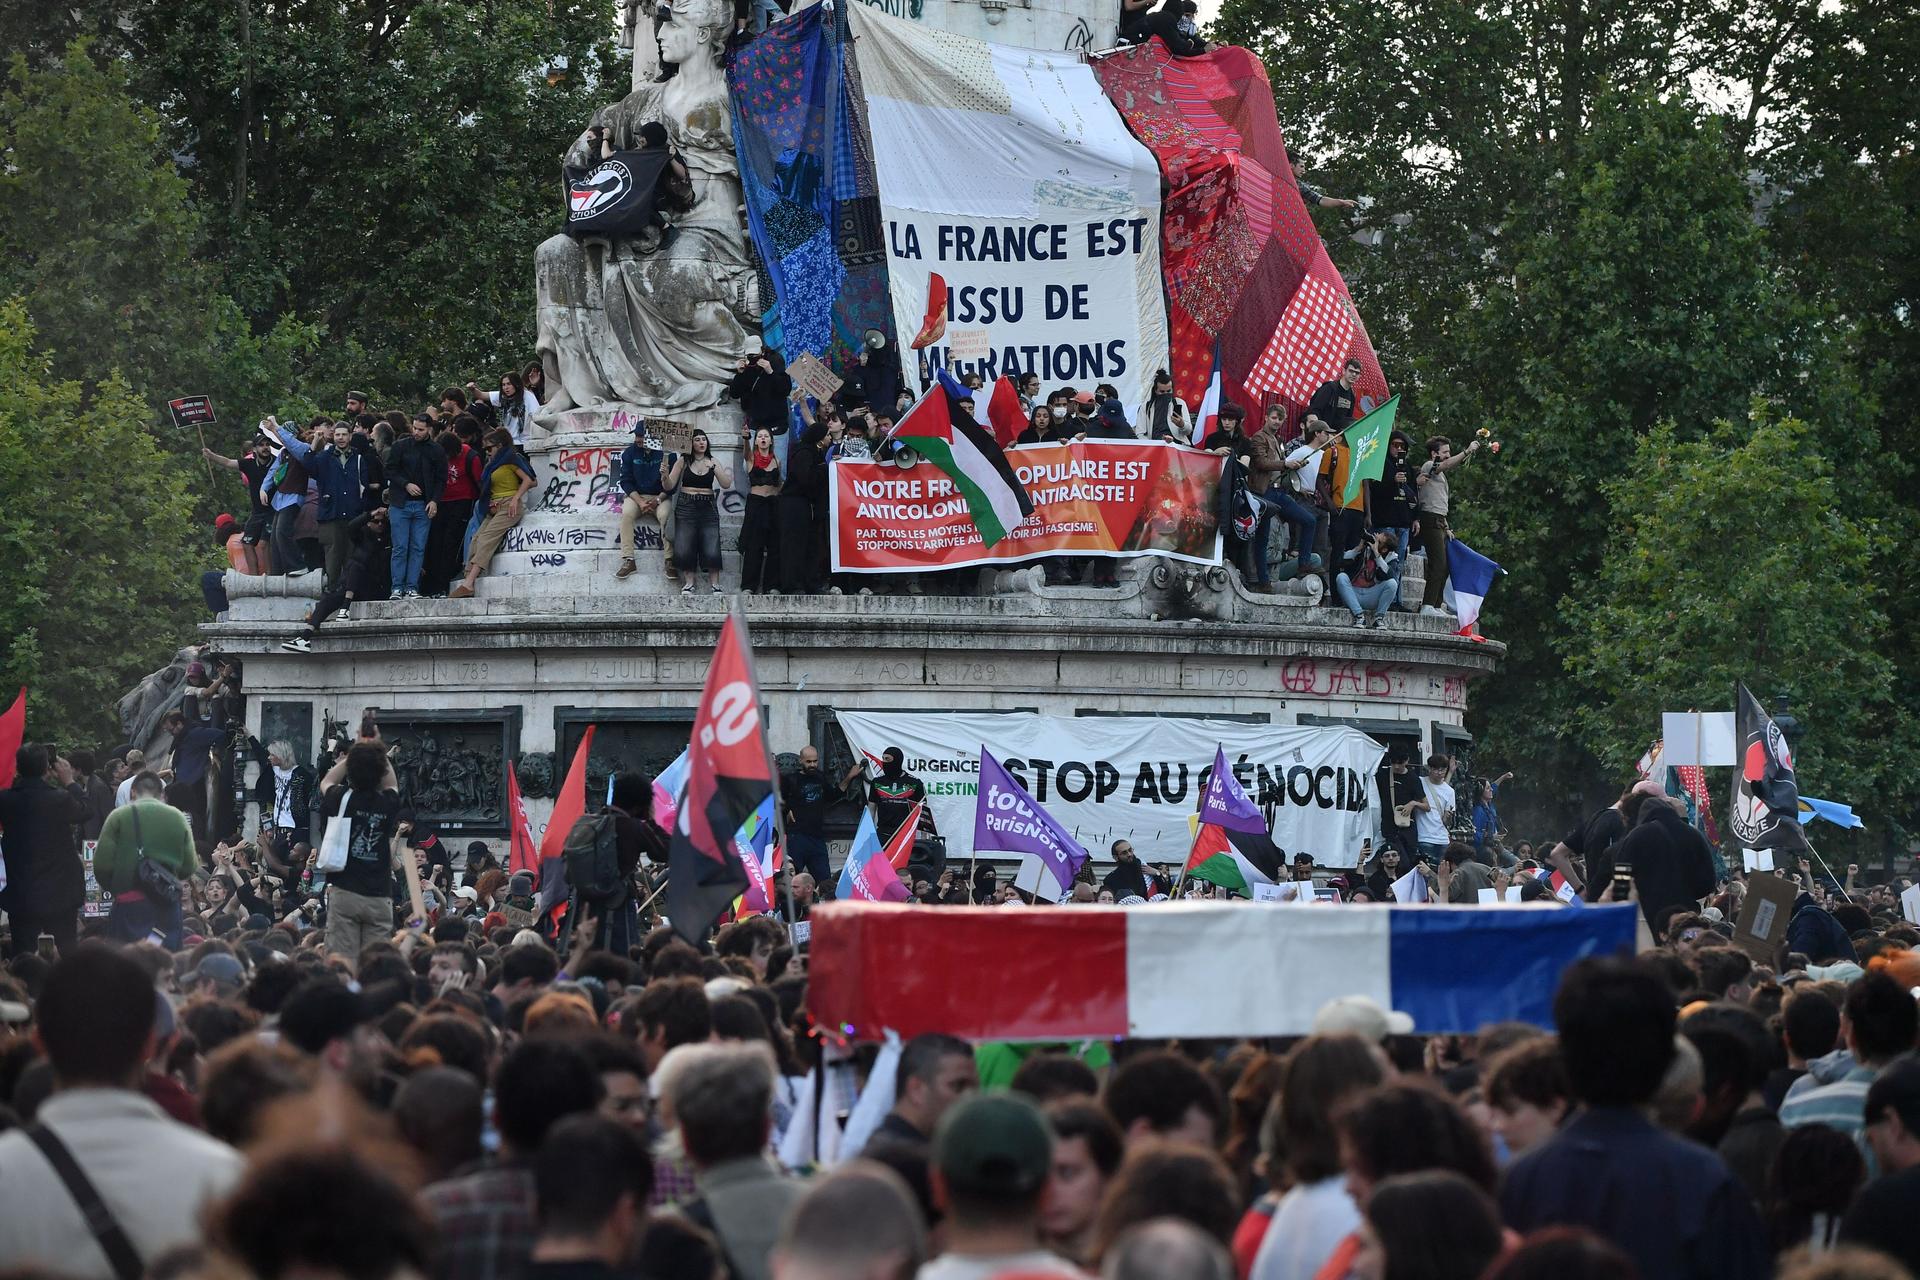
(592, 856)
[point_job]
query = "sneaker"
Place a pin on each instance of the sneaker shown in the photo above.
(866, 591)
(1378, 622)
(627, 569)
(413, 593)
(673, 572)
(299, 644)
(298, 573)
(715, 589)
(913, 589)
(835, 591)
(1357, 620)
(687, 590)
(1432, 611)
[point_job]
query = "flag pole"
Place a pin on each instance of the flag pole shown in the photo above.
(773, 775)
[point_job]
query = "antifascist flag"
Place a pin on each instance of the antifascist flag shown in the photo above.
(945, 434)
(1368, 439)
(1008, 820)
(615, 196)
(523, 854)
(729, 776)
(1766, 795)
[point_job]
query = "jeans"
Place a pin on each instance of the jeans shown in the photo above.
(286, 547)
(810, 855)
(1360, 600)
(696, 533)
(1405, 535)
(473, 527)
(1433, 536)
(410, 527)
(1306, 523)
(137, 919)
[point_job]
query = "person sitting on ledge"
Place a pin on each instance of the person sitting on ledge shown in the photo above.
(502, 487)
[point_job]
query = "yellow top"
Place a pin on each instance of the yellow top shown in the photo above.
(505, 483)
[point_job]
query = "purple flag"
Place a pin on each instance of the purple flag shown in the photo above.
(1224, 802)
(1008, 820)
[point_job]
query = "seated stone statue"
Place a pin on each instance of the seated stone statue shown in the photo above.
(650, 322)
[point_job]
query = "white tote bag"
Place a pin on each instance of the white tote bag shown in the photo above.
(333, 845)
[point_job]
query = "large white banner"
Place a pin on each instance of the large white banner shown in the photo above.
(1138, 778)
(1008, 173)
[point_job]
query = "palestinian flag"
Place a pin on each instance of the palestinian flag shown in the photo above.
(1236, 860)
(945, 434)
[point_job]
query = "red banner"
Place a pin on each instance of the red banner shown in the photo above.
(1099, 498)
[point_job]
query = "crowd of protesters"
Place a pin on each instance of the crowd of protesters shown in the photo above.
(254, 1069)
(397, 505)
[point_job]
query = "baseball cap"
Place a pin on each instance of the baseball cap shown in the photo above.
(1360, 1016)
(224, 522)
(218, 966)
(996, 1144)
(467, 893)
(1085, 397)
(640, 427)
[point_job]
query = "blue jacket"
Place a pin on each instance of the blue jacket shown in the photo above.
(504, 457)
(343, 482)
(643, 470)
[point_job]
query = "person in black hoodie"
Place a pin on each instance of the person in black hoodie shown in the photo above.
(364, 578)
(803, 510)
(45, 882)
(762, 387)
(416, 472)
(1177, 24)
(1671, 863)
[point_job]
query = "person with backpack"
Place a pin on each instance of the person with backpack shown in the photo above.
(603, 851)
(145, 851)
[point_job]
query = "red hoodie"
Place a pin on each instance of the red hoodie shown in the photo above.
(463, 477)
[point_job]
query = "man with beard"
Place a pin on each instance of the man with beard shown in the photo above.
(807, 794)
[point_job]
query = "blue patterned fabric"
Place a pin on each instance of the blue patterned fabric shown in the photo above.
(811, 205)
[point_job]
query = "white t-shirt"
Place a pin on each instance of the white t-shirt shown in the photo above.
(1308, 1226)
(960, 1266)
(514, 419)
(123, 794)
(1430, 824)
(1307, 476)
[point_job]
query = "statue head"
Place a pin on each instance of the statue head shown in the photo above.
(690, 28)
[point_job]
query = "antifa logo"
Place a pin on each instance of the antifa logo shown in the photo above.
(600, 189)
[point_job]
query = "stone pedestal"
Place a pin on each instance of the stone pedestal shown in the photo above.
(568, 543)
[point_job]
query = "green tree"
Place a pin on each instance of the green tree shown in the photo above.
(384, 166)
(98, 553)
(1732, 557)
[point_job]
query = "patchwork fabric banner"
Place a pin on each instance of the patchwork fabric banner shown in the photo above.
(811, 204)
(1238, 242)
(1022, 219)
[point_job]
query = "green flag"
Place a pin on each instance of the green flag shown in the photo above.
(1367, 439)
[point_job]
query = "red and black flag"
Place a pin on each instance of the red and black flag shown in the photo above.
(729, 776)
(1766, 795)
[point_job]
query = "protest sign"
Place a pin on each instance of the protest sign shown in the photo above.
(191, 411)
(1762, 925)
(1098, 498)
(97, 903)
(1138, 778)
(1025, 195)
(812, 378)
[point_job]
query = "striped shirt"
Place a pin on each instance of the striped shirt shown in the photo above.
(1841, 1105)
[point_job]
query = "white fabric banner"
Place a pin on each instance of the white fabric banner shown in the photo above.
(1138, 778)
(1008, 173)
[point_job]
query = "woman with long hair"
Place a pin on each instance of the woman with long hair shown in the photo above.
(759, 552)
(1434, 1225)
(516, 405)
(698, 476)
(503, 489)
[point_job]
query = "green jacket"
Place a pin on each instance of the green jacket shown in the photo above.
(164, 837)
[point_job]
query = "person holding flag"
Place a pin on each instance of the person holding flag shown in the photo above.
(941, 428)
(729, 776)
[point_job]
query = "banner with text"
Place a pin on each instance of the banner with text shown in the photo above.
(1022, 219)
(1138, 778)
(1092, 499)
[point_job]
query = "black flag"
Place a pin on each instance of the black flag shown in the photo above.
(1766, 796)
(615, 196)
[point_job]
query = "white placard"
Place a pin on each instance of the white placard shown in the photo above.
(1910, 904)
(1489, 897)
(1757, 859)
(1697, 737)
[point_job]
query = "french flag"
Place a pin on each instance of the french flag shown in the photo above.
(1470, 577)
(1190, 969)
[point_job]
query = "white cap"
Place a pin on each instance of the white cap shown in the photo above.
(1360, 1016)
(467, 892)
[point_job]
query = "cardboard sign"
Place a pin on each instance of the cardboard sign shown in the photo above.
(1762, 925)
(671, 436)
(801, 931)
(191, 411)
(968, 344)
(518, 917)
(1910, 904)
(812, 378)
